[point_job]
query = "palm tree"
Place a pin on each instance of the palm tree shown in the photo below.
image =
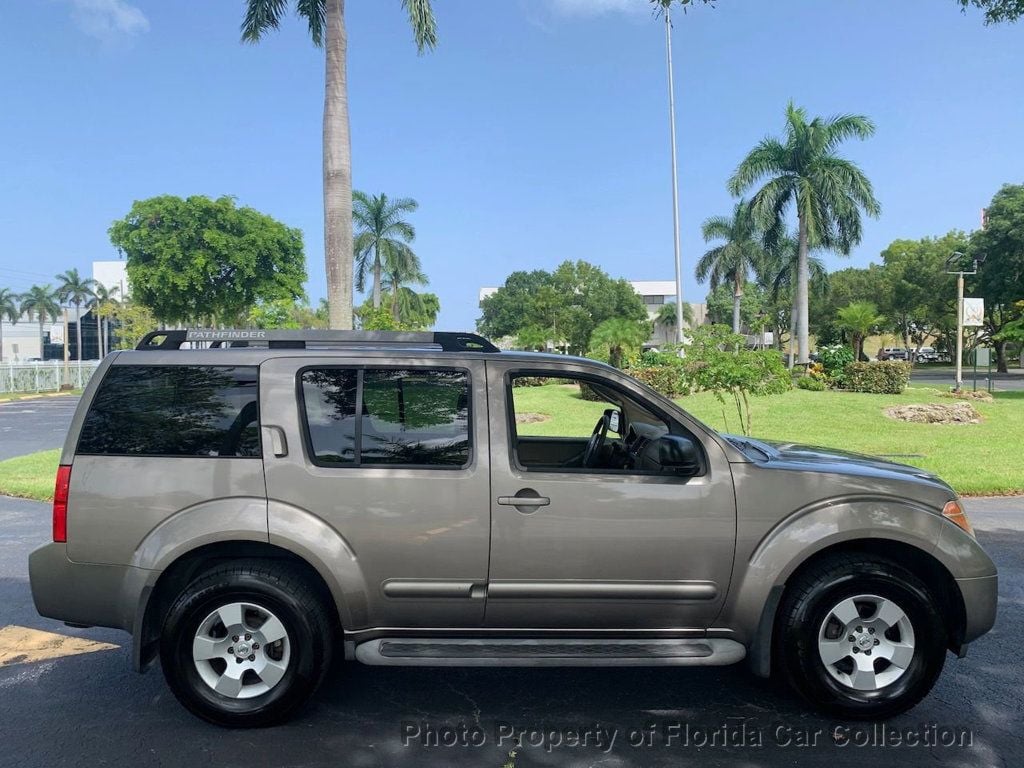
(616, 338)
(103, 297)
(401, 270)
(667, 314)
(859, 318)
(77, 290)
(777, 273)
(380, 228)
(326, 20)
(8, 309)
(828, 192)
(41, 301)
(732, 261)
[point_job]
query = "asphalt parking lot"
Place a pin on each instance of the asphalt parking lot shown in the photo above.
(38, 424)
(89, 708)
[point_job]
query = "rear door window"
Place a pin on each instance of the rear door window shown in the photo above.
(174, 410)
(385, 416)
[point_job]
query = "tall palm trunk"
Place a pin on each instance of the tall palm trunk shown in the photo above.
(42, 347)
(394, 301)
(78, 328)
(376, 279)
(802, 280)
(737, 298)
(99, 335)
(337, 171)
(792, 331)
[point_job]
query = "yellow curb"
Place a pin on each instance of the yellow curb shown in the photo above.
(21, 645)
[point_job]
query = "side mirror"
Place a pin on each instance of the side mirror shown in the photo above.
(678, 455)
(615, 420)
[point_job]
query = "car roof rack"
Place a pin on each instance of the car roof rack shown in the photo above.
(286, 339)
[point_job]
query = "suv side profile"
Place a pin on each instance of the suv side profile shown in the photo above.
(265, 501)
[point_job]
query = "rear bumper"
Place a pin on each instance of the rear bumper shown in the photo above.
(980, 595)
(84, 593)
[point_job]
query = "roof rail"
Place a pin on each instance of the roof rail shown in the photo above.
(285, 339)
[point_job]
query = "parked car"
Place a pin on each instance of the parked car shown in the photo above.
(252, 510)
(927, 355)
(892, 353)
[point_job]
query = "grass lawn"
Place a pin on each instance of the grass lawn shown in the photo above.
(979, 459)
(31, 476)
(6, 396)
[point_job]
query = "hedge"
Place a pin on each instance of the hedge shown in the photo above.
(887, 377)
(669, 380)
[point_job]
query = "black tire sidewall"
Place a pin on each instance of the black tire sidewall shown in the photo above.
(808, 673)
(305, 640)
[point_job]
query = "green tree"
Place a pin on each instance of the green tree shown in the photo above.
(843, 287)
(734, 259)
(402, 270)
(532, 338)
(74, 289)
(567, 303)
(1000, 279)
(829, 192)
(197, 260)
(8, 309)
(101, 297)
(133, 321)
(41, 302)
(380, 232)
(914, 292)
(859, 318)
(617, 338)
(326, 21)
(996, 11)
(775, 275)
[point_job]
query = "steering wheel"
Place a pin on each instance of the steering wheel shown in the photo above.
(597, 439)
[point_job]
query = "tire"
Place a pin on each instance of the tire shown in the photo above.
(873, 593)
(259, 686)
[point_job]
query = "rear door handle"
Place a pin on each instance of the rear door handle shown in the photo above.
(278, 442)
(525, 499)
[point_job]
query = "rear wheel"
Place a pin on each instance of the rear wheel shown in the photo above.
(861, 637)
(247, 643)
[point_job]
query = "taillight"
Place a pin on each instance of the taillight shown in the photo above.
(60, 503)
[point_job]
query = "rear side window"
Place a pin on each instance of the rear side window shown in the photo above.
(174, 410)
(406, 417)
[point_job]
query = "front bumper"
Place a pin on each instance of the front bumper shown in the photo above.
(84, 593)
(980, 595)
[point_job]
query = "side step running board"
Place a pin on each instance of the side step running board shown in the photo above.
(452, 652)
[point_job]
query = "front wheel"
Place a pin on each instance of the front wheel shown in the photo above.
(861, 637)
(246, 644)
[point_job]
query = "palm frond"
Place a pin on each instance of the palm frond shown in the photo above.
(261, 16)
(423, 23)
(315, 14)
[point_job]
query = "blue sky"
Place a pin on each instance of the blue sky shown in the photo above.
(537, 131)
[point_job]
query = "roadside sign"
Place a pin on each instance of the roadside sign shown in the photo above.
(974, 311)
(983, 356)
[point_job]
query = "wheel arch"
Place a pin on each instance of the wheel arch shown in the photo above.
(763, 646)
(157, 598)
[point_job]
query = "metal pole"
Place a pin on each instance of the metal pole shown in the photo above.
(675, 177)
(959, 330)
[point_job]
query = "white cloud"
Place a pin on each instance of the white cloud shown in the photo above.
(108, 20)
(599, 7)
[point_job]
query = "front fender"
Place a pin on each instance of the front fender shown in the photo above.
(761, 572)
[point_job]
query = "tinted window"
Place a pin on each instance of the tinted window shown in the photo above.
(155, 410)
(409, 417)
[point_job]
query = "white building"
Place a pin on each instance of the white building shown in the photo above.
(655, 294)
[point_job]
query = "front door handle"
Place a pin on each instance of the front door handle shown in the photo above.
(526, 500)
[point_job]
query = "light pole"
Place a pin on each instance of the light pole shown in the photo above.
(675, 176)
(956, 259)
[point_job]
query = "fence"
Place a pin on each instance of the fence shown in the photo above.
(48, 376)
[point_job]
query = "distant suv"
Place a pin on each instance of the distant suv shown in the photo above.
(892, 353)
(254, 507)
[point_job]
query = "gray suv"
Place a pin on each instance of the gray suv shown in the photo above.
(251, 504)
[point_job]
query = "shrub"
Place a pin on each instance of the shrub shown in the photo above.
(833, 359)
(587, 393)
(888, 377)
(811, 383)
(669, 380)
(530, 381)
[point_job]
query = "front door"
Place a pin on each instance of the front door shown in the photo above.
(393, 459)
(599, 537)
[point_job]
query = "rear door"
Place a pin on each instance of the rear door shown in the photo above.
(393, 457)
